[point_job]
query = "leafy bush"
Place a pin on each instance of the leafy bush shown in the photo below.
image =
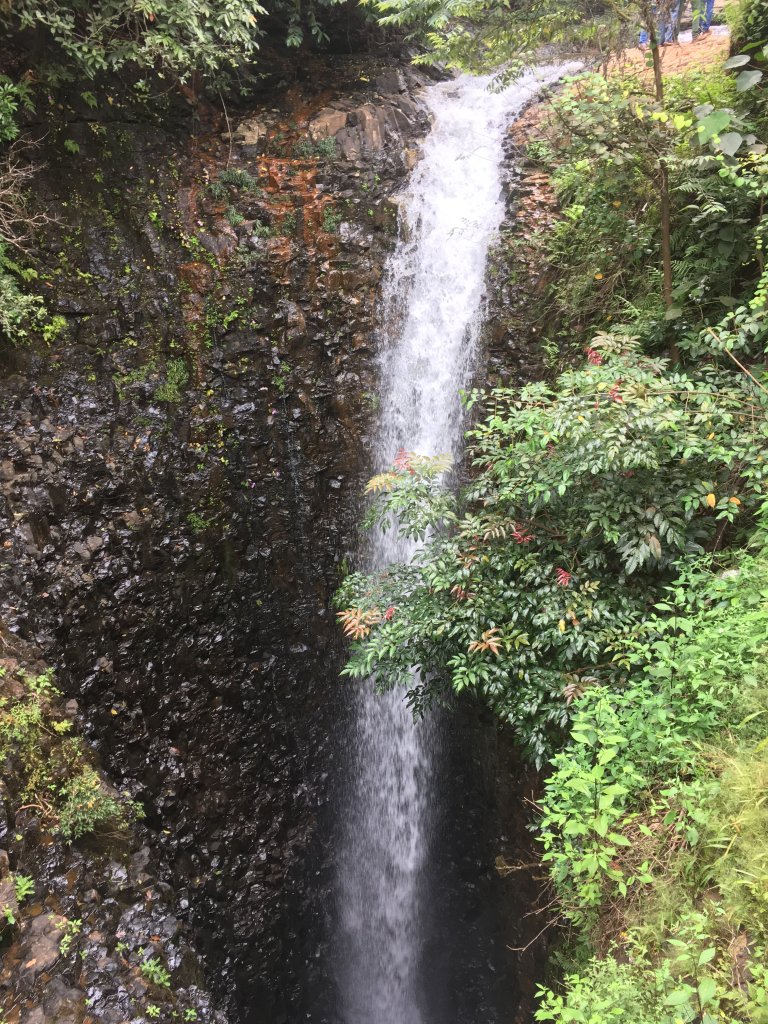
(23, 886)
(154, 971)
(13, 96)
(309, 148)
(749, 22)
(631, 789)
(21, 313)
(539, 574)
(85, 806)
(605, 141)
(608, 992)
(738, 831)
(179, 35)
(239, 178)
(49, 769)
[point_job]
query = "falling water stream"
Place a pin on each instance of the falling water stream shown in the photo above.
(431, 311)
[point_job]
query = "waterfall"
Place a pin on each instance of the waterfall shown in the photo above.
(430, 311)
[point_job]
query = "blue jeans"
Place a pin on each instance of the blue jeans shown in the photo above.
(668, 21)
(703, 11)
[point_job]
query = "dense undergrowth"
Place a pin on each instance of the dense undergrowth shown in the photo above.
(602, 581)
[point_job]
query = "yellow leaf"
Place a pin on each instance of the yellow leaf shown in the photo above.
(382, 482)
(735, 501)
(710, 436)
(598, 277)
(711, 500)
(561, 625)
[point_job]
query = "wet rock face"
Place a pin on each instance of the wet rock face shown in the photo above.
(179, 474)
(517, 328)
(91, 912)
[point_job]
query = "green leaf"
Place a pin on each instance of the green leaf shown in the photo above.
(747, 80)
(730, 142)
(706, 956)
(679, 996)
(738, 61)
(707, 990)
(713, 124)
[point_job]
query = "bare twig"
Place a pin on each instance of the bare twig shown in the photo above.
(229, 127)
(17, 223)
(523, 949)
(740, 365)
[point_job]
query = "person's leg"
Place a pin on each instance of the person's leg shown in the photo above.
(710, 13)
(699, 16)
(669, 22)
(644, 34)
(675, 10)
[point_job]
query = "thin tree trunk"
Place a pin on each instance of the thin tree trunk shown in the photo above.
(658, 79)
(666, 247)
(664, 200)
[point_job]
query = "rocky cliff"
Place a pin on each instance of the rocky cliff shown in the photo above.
(180, 471)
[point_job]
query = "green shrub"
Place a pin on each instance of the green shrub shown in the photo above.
(738, 831)
(609, 992)
(308, 148)
(85, 806)
(21, 314)
(603, 258)
(154, 971)
(331, 219)
(749, 22)
(239, 178)
(632, 790)
(541, 573)
(23, 886)
(49, 769)
(217, 189)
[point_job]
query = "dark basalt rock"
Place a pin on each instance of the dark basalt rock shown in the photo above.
(97, 911)
(178, 473)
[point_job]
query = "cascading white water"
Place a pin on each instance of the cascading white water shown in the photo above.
(431, 309)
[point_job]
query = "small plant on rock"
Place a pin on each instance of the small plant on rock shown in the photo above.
(331, 220)
(154, 971)
(23, 886)
(234, 217)
(176, 378)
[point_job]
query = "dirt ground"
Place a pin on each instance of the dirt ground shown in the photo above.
(679, 56)
(685, 53)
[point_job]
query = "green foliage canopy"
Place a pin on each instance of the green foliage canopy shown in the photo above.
(533, 581)
(176, 35)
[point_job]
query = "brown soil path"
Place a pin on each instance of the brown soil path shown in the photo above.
(681, 56)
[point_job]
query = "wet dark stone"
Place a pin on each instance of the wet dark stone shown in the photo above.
(174, 554)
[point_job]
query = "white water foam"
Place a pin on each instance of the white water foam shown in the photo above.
(431, 311)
